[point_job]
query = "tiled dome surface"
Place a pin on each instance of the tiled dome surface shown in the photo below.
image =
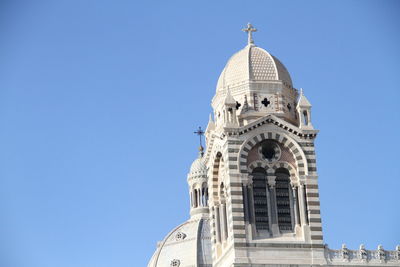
(198, 167)
(252, 63)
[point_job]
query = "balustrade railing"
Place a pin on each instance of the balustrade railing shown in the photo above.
(379, 255)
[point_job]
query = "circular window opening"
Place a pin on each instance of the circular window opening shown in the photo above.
(268, 151)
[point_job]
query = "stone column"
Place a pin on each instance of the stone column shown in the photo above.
(246, 202)
(269, 207)
(296, 204)
(199, 197)
(274, 212)
(251, 201)
(292, 203)
(303, 205)
(217, 224)
(224, 221)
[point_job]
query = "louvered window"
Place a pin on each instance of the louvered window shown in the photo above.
(260, 199)
(283, 200)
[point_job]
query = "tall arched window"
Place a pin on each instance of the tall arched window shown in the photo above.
(283, 199)
(260, 199)
(305, 117)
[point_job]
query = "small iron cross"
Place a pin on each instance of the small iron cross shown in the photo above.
(250, 29)
(200, 133)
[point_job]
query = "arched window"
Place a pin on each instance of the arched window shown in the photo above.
(283, 199)
(260, 199)
(305, 117)
(195, 199)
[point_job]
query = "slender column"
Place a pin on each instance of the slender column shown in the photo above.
(291, 207)
(251, 201)
(274, 212)
(191, 199)
(203, 204)
(269, 207)
(224, 229)
(246, 203)
(295, 205)
(217, 224)
(305, 203)
(303, 206)
(199, 197)
(297, 208)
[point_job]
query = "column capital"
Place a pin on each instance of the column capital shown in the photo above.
(271, 180)
(247, 179)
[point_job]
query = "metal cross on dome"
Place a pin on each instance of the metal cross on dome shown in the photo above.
(200, 133)
(250, 29)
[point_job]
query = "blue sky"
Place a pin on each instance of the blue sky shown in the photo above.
(99, 101)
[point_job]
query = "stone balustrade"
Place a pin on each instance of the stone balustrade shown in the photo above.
(379, 256)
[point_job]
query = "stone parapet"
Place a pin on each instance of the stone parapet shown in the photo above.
(362, 256)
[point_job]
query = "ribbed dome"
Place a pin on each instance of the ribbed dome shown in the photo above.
(252, 63)
(187, 245)
(198, 167)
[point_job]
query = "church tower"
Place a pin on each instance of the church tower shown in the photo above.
(253, 190)
(263, 182)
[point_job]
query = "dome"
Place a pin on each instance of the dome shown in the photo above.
(198, 167)
(254, 64)
(187, 245)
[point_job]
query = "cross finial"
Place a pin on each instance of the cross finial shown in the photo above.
(250, 29)
(200, 133)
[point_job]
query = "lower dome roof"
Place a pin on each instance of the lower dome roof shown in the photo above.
(187, 245)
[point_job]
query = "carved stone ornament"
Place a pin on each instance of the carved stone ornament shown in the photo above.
(344, 252)
(362, 253)
(180, 236)
(381, 253)
(398, 252)
(175, 263)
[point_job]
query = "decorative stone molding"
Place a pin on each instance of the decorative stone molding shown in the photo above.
(271, 181)
(344, 253)
(270, 119)
(362, 253)
(175, 263)
(180, 236)
(381, 253)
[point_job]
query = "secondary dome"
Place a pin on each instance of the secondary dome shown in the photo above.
(252, 64)
(187, 245)
(198, 167)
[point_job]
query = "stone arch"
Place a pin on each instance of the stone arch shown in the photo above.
(216, 169)
(284, 140)
(285, 165)
(257, 164)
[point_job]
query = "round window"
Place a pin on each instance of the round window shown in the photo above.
(269, 150)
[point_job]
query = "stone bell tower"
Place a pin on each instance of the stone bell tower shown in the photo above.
(253, 191)
(262, 179)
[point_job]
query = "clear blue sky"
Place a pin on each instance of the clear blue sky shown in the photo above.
(99, 101)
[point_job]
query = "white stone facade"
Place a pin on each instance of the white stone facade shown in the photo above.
(254, 190)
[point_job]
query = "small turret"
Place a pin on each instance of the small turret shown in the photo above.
(304, 112)
(198, 189)
(230, 118)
